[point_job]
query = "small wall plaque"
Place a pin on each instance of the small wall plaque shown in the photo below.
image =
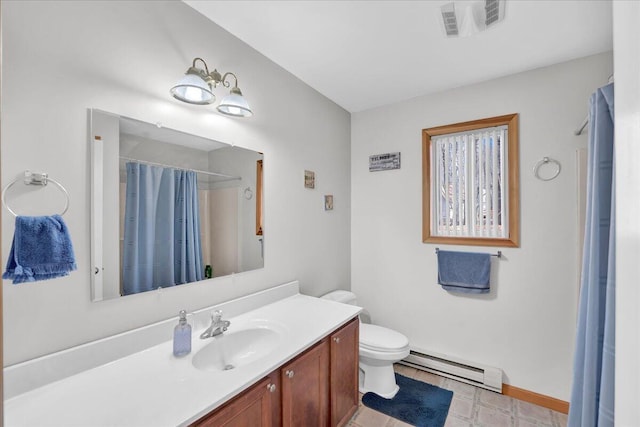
(328, 202)
(309, 179)
(384, 162)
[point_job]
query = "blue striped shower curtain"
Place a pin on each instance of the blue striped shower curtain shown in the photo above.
(592, 396)
(161, 229)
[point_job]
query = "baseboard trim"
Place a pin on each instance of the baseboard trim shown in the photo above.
(536, 398)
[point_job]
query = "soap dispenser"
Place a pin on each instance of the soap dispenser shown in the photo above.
(182, 336)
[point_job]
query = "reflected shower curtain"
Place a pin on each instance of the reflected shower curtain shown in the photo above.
(161, 229)
(592, 396)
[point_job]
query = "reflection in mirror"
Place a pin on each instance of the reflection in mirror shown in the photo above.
(169, 208)
(259, 224)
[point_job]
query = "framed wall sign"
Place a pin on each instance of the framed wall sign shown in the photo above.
(309, 179)
(383, 162)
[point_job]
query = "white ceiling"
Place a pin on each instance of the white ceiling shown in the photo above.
(364, 54)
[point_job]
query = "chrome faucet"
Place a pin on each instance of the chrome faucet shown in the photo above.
(218, 326)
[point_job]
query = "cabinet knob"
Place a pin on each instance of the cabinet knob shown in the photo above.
(271, 387)
(289, 374)
(336, 340)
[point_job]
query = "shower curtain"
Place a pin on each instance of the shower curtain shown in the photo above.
(592, 396)
(161, 229)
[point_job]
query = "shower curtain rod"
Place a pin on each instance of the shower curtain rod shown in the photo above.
(229, 177)
(584, 123)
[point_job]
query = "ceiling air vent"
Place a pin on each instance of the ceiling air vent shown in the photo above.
(449, 19)
(492, 11)
(471, 17)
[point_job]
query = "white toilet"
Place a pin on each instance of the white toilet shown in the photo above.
(380, 348)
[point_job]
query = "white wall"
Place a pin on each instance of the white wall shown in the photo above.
(526, 324)
(61, 58)
(626, 34)
(223, 220)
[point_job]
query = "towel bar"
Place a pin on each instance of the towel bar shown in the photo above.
(497, 255)
(34, 178)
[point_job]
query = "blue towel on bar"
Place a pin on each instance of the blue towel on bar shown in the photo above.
(466, 272)
(41, 250)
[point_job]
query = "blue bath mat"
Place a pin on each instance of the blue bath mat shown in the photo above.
(416, 403)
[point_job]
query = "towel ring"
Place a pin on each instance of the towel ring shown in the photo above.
(35, 178)
(248, 194)
(544, 161)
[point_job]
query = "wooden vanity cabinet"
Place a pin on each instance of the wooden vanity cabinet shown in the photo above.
(317, 388)
(258, 406)
(305, 388)
(344, 373)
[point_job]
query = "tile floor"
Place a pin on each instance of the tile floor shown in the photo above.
(470, 406)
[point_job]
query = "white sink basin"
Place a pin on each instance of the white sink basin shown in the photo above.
(235, 349)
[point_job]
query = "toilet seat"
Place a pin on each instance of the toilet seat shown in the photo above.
(379, 339)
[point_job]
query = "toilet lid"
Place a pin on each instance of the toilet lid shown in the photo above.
(378, 338)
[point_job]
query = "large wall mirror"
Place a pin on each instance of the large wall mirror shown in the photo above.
(169, 208)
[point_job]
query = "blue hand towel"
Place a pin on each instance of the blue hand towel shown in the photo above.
(465, 272)
(41, 250)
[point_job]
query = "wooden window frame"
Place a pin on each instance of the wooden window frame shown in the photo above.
(513, 173)
(259, 223)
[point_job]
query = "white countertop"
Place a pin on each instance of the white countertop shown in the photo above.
(154, 388)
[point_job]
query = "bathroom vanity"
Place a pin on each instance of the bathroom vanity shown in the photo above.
(317, 388)
(294, 362)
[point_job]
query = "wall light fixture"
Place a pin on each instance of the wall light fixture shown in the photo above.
(196, 87)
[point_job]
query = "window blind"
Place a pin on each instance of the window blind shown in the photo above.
(469, 171)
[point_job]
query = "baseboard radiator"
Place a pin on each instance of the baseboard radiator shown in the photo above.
(461, 370)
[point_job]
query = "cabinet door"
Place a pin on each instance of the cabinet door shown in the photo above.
(275, 389)
(305, 388)
(344, 373)
(252, 408)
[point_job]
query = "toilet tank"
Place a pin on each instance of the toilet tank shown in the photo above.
(344, 297)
